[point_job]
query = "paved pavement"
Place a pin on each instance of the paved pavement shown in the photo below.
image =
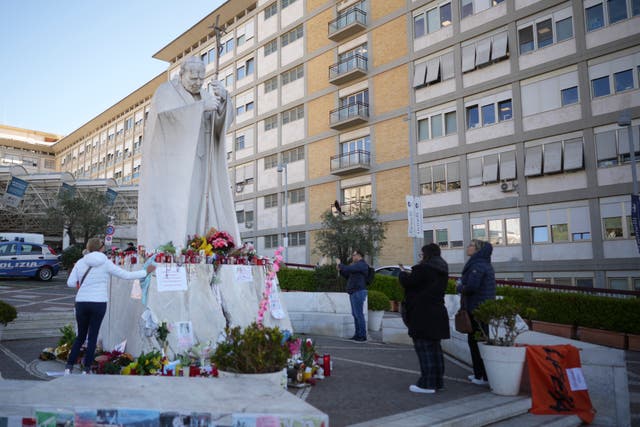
(368, 381)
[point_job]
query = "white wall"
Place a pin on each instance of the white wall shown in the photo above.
(292, 91)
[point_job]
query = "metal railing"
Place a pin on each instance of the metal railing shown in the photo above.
(347, 18)
(356, 62)
(349, 111)
(351, 159)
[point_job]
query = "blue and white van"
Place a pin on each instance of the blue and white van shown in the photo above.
(25, 259)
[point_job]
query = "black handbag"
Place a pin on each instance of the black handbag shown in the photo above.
(462, 320)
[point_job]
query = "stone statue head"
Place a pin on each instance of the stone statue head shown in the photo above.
(192, 73)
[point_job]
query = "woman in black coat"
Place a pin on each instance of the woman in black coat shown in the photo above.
(427, 317)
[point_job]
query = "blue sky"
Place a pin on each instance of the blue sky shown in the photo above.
(66, 61)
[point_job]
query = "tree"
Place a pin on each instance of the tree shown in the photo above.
(341, 234)
(82, 216)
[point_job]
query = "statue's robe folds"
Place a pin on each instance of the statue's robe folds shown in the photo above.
(184, 184)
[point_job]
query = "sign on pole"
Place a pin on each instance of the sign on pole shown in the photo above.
(635, 217)
(108, 238)
(15, 192)
(414, 216)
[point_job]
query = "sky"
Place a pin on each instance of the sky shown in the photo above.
(63, 62)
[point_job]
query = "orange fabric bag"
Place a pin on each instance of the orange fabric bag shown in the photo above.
(557, 383)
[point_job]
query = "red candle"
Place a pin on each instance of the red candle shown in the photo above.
(326, 365)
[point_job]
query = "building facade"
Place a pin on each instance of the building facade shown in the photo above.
(501, 115)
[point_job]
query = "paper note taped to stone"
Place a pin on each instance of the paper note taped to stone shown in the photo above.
(243, 273)
(171, 278)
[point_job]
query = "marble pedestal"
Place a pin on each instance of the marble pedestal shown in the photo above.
(210, 302)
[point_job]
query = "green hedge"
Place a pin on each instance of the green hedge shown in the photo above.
(569, 308)
(390, 286)
(326, 279)
(292, 279)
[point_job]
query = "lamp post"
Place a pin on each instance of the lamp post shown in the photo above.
(283, 167)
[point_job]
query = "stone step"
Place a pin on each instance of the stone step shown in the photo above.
(531, 420)
(474, 411)
(37, 325)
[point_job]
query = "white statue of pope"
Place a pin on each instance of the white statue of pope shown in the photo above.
(184, 184)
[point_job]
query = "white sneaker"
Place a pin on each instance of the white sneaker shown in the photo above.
(415, 389)
(85, 373)
(477, 381)
(471, 377)
(67, 371)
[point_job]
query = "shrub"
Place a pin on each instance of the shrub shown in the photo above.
(253, 350)
(8, 313)
(572, 308)
(292, 279)
(70, 256)
(497, 313)
(328, 280)
(377, 301)
(390, 286)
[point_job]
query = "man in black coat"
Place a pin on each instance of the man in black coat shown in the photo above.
(427, 317)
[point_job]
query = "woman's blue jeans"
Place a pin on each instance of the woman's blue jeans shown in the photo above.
(89, 317)
(357, 306)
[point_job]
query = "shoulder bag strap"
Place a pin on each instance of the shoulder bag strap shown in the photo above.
(84, 276)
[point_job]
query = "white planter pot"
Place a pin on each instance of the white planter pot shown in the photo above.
(504, 367)
(277, 378)
(375, 320)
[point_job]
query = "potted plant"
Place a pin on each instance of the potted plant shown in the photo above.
(377, 303)
(253, 350)
(8, 314)
(503, 360)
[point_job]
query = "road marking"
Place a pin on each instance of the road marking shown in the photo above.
(13, 357)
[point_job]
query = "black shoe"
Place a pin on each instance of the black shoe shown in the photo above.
(353, 338)
(360, 339)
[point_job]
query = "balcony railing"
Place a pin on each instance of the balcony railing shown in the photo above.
(349, 115)
(347, 24)
(353, 161)
(348, 69)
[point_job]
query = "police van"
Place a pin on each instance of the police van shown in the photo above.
(27, 259)
(22, 237)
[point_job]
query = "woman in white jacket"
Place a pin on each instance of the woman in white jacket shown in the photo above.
(92, 297)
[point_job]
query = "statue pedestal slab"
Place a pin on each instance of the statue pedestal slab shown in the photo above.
(230, 296)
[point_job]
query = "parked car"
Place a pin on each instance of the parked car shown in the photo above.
(391, 270)
(28, 260)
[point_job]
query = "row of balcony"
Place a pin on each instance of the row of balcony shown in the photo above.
(347, 24)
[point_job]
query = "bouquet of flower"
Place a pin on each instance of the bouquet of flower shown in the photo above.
(199, 243)
(220, 241)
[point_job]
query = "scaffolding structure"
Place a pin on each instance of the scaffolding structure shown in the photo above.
(42, 193)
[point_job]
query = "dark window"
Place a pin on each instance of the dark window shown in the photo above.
(623, 80)
(505, 110)
(525, 36)
(569, 95)
(564, 29)
(600, 86)
(617, 10)
(545, 33)
(488, 114)
(473, 117)
(595, 17)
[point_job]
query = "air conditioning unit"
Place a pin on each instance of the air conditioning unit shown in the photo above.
(248, 224)
(239, 187)
(508, 186)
